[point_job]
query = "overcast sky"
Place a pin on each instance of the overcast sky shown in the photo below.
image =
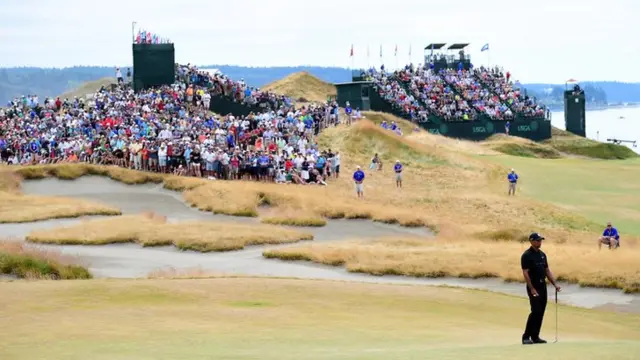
(538, 41)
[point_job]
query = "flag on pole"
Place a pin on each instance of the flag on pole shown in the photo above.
(409, 50)
(380, 51)
(485, 47)
(351, 55)
(396, 51)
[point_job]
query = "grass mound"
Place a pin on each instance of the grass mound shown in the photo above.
(576, 145)
(515, 146)
(561, 143)
(152, 230)
(295, 221)
(592, 149)
(290, 319)
(572, 262)
(31, 263)
(89, 87)
(303, 87)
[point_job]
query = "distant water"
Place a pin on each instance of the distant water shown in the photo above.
(608, 124)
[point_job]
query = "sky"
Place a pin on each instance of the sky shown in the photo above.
(540, 41)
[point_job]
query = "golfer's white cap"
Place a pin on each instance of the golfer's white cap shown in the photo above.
(512, 169)
(397, 160)
(358, 167)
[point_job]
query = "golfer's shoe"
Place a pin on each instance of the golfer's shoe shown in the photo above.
(527, 342)
(539, 341)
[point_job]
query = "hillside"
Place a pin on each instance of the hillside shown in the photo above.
(303, 87)
(563, 144)
(88, 88)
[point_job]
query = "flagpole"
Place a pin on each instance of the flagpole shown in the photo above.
(133, 31)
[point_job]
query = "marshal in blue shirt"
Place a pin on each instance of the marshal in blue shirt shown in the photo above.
(513, 177)
(358, 176)
(611, 232)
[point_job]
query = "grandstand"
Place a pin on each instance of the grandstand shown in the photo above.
(448, 96)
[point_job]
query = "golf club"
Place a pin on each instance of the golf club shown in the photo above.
(556, 339)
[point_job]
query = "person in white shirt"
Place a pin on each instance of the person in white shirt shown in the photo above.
(335, 166)
(162, 157)
(119, 76)
(165, 134)
(206, 100)
(209, 157)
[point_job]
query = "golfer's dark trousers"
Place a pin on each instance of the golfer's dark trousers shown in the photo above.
(538, 306)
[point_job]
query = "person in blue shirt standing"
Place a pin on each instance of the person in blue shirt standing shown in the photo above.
(609, 237)
(348, 111)
(358, 178)
(513, 180)
(397, 168)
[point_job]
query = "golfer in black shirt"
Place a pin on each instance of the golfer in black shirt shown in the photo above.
(535, 269)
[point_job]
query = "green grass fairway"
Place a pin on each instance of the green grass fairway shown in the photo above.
(600, 190)
(282, 319)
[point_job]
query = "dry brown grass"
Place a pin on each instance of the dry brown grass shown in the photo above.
(88, 88)
(152, 230)
(303, 87)
(447, 188)
(28, 262)
(575, 262)
(290, 217)
(17, 208)
(75, 171)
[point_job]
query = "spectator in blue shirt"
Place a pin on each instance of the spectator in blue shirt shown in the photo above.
(609, 237)
(513, 180)
(348, 110)
(397, 168)
(358, 178)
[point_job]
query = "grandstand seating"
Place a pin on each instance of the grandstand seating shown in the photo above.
(421, 94)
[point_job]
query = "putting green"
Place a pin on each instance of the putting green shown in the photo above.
(251, 318)
(600, 190)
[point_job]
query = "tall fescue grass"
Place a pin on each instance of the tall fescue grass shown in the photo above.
(572, 262)
(75, 171)
(447, 187)
(152, 230)
(17, 208)
(28, 262)
(243, 198)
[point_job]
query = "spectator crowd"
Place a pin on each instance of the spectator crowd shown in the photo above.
(171, 130)
(453, 94)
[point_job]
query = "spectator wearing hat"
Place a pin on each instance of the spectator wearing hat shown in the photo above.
(535, 269)
(610, 237)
